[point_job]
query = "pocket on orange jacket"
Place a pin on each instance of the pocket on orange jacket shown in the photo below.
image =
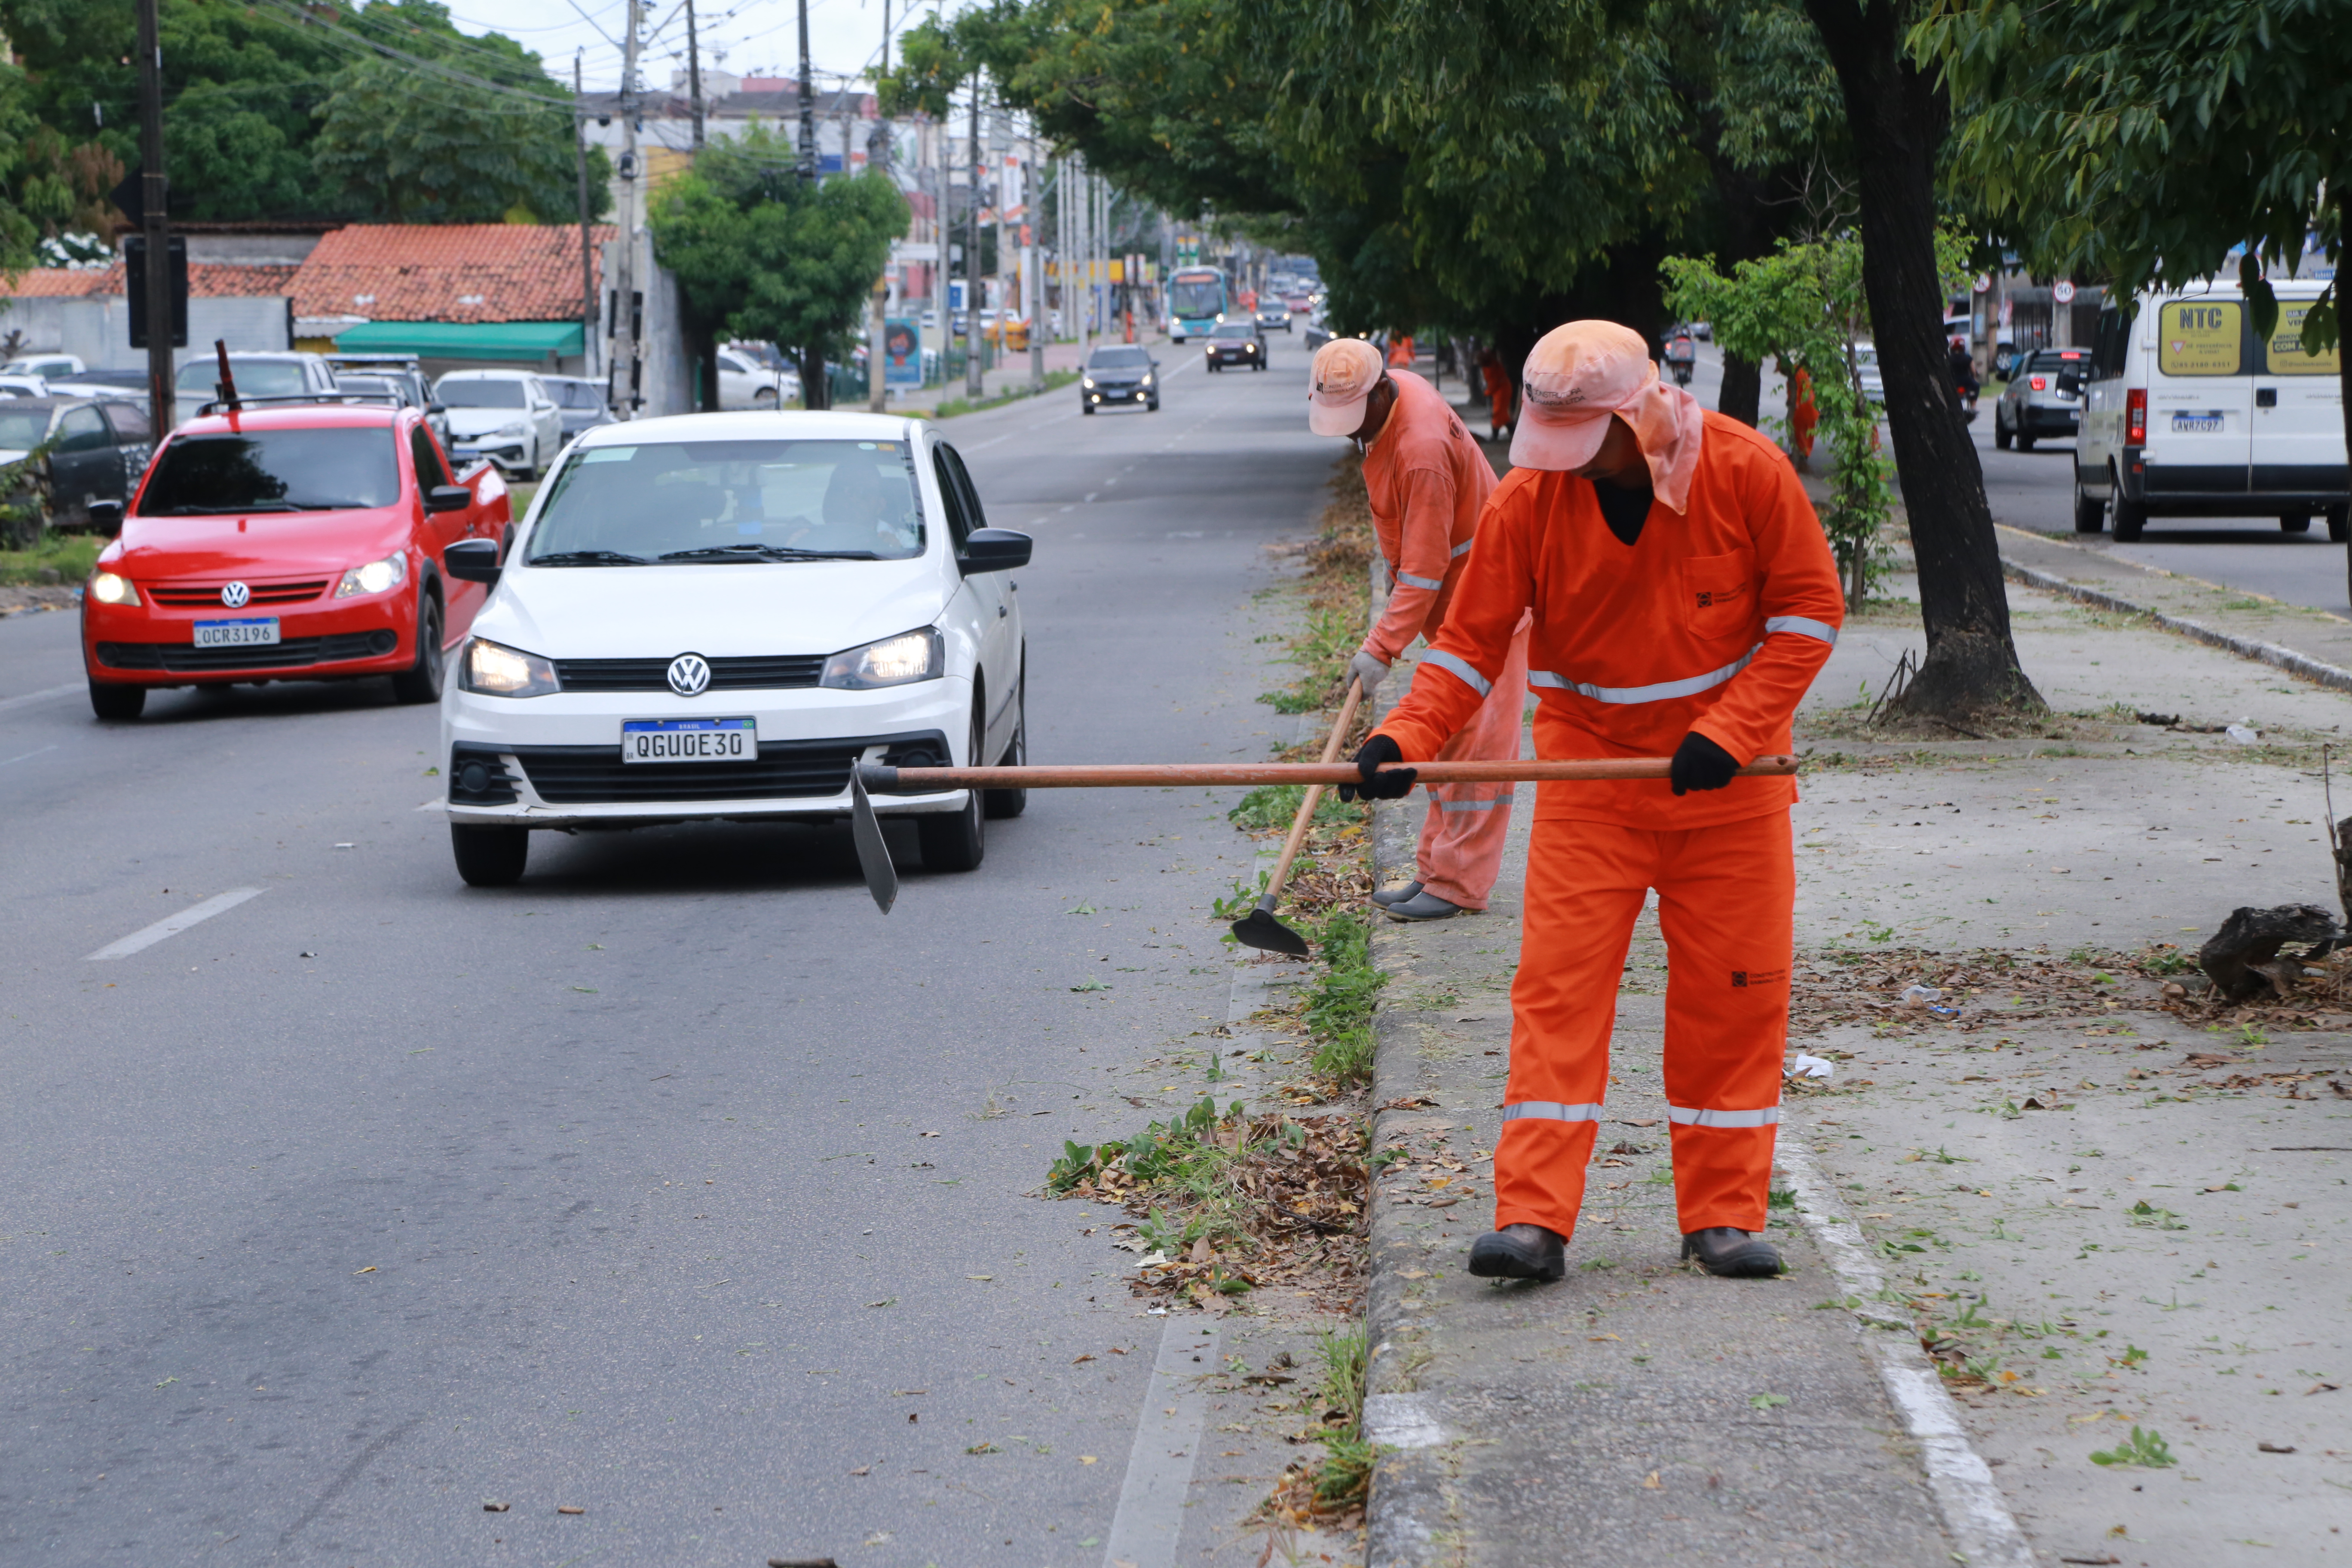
(1719, 595)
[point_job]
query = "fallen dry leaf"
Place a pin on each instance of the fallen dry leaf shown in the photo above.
(1087, 1459)
(1088, 1356)
(490, 1507)
(369, 1270)
(1651, 1481)
(569, 1508)
(863, 1470)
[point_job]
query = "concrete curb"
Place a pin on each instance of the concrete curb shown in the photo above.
(2312, 669)
(1983, 1531)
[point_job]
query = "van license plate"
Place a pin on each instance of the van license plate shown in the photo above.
(689, 741)
(257, 631)
(2197, 424)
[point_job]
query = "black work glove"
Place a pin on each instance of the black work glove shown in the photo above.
(1378, 785)
(1700, 763)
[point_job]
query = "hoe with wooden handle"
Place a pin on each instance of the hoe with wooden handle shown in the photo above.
(882, 878)
(1258, 928)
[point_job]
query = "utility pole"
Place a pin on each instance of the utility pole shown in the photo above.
(876, 384)
(587, 245)
(814, 393)
(1033, 275)
(693, 75)
(972, 254)
(626, 351)
(155, 195)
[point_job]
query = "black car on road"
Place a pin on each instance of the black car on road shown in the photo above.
(1236, 343)
(1119, 373)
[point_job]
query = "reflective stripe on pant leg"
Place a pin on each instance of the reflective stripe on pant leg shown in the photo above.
(1724, 906)
(1584, 887)
(1462, 840)
(1551, 1111)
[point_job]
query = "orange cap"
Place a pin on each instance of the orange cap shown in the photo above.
(1577, 376)
(1344, 373)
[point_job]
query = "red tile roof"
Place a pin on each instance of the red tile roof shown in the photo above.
(446, 272)
(206, 280)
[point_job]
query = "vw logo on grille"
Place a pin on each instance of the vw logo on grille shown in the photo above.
(234, 595)
(689, 675)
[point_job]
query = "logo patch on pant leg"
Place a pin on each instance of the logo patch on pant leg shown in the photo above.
(1745, 979)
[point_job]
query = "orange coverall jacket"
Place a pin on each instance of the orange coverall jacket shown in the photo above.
(1716, 620)
(1427, 482)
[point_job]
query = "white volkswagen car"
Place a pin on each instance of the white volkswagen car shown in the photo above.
(717, 615)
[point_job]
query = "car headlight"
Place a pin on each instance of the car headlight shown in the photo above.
(1087, 382)
(518, 427)
(893, 661)
(375, 577)
(496, 671)
(109, 589)
(1147, 378)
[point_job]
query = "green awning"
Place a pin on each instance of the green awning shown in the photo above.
(462, 339)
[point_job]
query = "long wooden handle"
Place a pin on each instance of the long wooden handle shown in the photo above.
(881, 780)
(1314, 797)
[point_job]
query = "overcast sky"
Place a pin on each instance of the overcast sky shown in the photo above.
(746, 36)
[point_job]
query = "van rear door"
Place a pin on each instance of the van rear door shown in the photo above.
(2298, 415)
(2199, 398)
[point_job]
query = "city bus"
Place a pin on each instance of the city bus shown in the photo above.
(1196, 297)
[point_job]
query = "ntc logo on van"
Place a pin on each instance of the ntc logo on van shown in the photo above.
(2201, 318)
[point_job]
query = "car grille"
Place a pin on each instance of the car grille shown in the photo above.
(580, 775)
(766, 672)
(294, 652)
(200, 595)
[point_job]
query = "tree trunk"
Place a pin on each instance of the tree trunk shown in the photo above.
(1898, 117)
(2343, 338)
(703, 343)
(816, 392)
(1743, 390)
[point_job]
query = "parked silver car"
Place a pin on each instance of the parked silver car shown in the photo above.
(2044, 397)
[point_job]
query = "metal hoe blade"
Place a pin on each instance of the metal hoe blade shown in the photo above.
(872, 855)
(1260, 930)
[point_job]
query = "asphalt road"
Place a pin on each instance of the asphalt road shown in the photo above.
(676, 1185)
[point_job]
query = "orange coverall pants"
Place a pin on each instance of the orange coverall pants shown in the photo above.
(1460, 849)
(1725, 900)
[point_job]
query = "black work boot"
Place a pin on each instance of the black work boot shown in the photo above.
(1519, 1252)
(1732, 1254)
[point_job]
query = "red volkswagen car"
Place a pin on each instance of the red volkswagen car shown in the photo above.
(295, 541)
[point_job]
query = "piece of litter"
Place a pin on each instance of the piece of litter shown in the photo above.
(1087, 1459)
(369, 1270)
(2274, 1448)
(2243, 734)
(346, 845)
(569, 1508)
(1810, 1067)
(491, 1505)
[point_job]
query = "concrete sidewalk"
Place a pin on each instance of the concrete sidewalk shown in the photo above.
(2152, 1250)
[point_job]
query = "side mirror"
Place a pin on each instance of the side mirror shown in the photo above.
(994, 550)
(433, 410)
(105, 518)
(472, 560)
(448, 498)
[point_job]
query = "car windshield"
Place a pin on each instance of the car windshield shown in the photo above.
(369, 385)
(1233, 329)
(1120, 359)
(255, 377)
(576, 393)
(764, 498)
(273, 470)
(21, 429)
(456, 393)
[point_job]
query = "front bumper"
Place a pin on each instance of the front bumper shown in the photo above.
(506, 451)
(1119, 394)
(554, 762)
(1234, 356)
(318, 639)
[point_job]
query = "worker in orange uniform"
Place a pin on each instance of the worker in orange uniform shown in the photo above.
(1427, 482)
(1498, 394)
(1684, 598)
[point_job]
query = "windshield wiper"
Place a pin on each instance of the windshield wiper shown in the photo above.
(201, 510)
(589, 558)
(766, 552)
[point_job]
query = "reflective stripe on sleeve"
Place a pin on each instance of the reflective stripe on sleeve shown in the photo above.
(1682, 1115)
(1463, 548)
(1802, 627)
(1410, 580)
(1665, 691)
(1551, 1111)
(1460, 668)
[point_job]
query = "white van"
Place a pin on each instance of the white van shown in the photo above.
(2189, 413)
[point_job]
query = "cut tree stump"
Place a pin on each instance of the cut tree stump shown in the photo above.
(2241, 957)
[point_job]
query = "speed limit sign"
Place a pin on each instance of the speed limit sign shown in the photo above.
(2063, 291)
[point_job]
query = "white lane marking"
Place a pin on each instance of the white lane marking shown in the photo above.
(1160, 1467)
(52, 694)
(1965, 1494)
(173, 925)
(26, 757)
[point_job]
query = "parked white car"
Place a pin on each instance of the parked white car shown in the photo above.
(717, 616)
(58, 366)
(745, 381)
(505, 416)
(2189, 412)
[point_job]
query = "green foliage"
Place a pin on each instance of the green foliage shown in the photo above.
(73, 556)
(2143, 142)
(1271, 806)
(2146, 1448)
(761, 254)
(1340, 1005)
